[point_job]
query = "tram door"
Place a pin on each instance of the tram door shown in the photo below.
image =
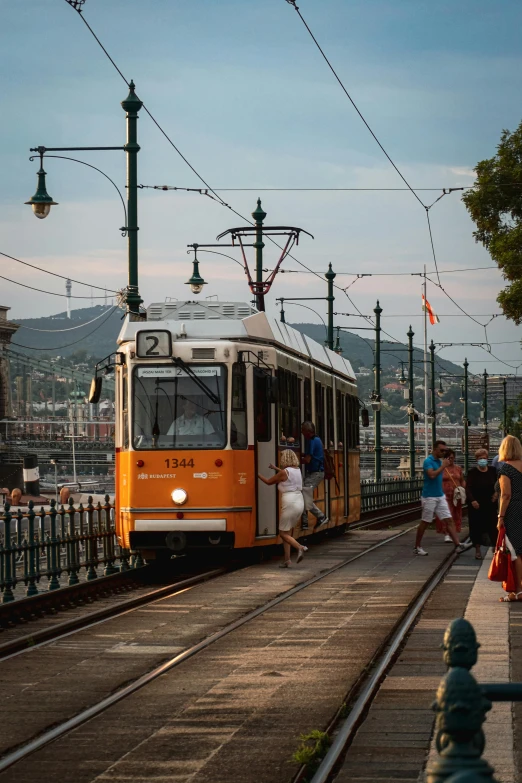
(266, 454)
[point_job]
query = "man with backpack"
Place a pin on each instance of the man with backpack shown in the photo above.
(314, 462)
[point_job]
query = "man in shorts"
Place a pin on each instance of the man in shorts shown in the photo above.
(433, 501)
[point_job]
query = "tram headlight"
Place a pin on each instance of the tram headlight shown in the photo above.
(179, 496)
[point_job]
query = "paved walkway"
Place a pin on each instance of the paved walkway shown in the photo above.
(491, 622)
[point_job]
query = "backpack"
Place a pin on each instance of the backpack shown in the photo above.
(329, 467)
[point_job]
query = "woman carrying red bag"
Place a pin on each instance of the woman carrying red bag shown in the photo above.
(510, 509)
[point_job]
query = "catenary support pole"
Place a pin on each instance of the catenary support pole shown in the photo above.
(433, 397)
(425, 374)
(504, 398)
(486, 401)
(466, 421)
(259, 215)
(377, 392)
(131, 105)
(410, 403)
(330, 277)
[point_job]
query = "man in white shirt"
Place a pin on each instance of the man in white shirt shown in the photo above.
(190, 422)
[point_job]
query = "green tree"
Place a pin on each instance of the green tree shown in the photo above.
(495, 206)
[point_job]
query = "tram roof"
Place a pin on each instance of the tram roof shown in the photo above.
(237, 321)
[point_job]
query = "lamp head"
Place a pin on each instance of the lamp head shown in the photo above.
(196, 282)
(41, 202)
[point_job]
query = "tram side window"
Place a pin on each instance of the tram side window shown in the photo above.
(319, 411)
(262, 407)
(330, 417)
(352, 430)
(238, 429)
(339, 398)
(288, 405)
(307, 400)
(125, 409)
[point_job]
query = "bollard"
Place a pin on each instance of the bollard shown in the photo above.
(31, 475)
(461, 709)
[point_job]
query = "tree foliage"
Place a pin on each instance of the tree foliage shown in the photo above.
(495, 206)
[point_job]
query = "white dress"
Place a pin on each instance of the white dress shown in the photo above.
(292, 501)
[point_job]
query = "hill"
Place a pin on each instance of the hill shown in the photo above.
(359, 350)
(93, 329)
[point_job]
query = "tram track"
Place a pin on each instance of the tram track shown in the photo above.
(343, 731)
(61, 729)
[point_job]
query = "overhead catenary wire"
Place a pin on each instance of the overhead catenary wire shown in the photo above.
(68, 345)
(51, 293)
(337, 77)
(71, 328)
(228, 206)
(63, 277)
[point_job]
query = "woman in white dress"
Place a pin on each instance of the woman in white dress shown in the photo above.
(290, 484)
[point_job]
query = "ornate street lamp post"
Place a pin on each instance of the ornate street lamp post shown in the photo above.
(41, 202)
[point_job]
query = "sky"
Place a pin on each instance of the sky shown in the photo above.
(246, 97)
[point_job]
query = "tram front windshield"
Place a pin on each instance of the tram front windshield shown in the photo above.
(179, 408)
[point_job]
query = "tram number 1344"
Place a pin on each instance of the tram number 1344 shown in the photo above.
(179, 463)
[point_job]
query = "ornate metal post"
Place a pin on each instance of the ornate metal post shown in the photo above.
(259, 215)
(461, 710)
(433, 397)
(282, 313)
(377, 387)
(32, 553)
(410, 403)
(466, 421)
(330, 276)
(131, 105)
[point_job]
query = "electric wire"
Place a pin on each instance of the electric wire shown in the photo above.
(55, 274)
(70, 329)
(399, 172)
(68, 345)
(51, 293)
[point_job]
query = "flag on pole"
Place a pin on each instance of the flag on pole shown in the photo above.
(434, 319)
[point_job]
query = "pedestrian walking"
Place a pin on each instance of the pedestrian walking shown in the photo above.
(510, 508)
(314, 474)
(453, 486)
(290, 484)
(482, 503)
(433, 501)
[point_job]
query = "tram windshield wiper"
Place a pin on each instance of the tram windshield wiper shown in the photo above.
(197, 380)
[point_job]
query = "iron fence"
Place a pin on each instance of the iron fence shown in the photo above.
(76, 542)
(387, 492)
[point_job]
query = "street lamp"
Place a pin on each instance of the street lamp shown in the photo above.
(196, 282)
(41, 202)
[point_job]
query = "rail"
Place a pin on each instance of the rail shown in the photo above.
(387, 492)
(76, 542)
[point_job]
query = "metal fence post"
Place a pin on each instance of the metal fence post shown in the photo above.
(54, 547)
(92, 542)
(32, 546)
(7, 595)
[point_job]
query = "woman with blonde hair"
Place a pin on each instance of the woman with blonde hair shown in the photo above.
(290, 484)
(510, 510)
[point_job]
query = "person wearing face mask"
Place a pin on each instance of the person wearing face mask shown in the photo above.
(482, 503)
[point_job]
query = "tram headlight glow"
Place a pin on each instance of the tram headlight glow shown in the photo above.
(179, 496)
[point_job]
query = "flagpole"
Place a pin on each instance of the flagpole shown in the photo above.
(426, 394)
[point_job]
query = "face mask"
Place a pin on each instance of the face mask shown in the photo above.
(482, 463)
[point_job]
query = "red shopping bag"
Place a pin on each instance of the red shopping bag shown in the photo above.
(500, 565)
(510, 585)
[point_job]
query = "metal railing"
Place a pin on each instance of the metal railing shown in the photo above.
(72, 541)
(387, 492)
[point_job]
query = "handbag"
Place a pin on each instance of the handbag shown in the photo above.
(501, 562)
(459, 493)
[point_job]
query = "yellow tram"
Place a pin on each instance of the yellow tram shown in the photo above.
(207, 394)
